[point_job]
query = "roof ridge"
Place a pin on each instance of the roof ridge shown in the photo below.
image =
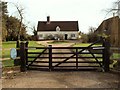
(58, 21)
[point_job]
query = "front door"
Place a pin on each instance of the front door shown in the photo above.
(66, 36)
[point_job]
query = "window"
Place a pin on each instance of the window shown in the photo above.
(40, 35)
(72, 35)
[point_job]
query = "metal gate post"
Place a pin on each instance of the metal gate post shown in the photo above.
(50, 57)
(22, 57)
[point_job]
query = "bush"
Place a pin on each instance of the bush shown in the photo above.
(49, 37)
(84, 38)
(54, 37)
(60, 36)
(92, 37)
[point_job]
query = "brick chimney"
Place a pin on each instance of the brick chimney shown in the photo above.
(48, 19)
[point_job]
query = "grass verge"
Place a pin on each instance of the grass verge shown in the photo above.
(58, 42)
(6, 46)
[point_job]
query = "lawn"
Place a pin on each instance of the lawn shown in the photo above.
(9, 44)
(6, 46)
(88, 55)
(85, 44)
(58, 42)
(115, 55)
(82, 44)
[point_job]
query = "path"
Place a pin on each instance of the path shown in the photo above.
(46, 43)
(57, 79)
(56, 55)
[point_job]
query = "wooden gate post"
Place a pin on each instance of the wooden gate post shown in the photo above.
(50, 57)
(22, 57)
(106, 55)
(18, 46)
(26, 52)
(77, 58)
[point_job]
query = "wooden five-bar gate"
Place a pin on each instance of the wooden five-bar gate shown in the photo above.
(44, 58)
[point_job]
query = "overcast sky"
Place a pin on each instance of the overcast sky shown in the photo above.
(86, 12)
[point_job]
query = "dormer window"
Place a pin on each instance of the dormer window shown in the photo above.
(57, 28)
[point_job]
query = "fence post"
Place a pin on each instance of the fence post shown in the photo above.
(22, 57)
(50, 57)
(26, 50)
(18, 46)
(106, 55)
(76, 58)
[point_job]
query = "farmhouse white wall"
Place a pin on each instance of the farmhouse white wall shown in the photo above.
(61, 33)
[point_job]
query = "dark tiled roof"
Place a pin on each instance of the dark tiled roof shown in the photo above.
(64, 25)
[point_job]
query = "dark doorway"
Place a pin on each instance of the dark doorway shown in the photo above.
(66, 36)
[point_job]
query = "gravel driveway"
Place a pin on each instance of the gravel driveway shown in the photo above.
(61, 79)
(76, 79)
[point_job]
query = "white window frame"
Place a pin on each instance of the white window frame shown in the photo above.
(40, 35)
(72, 35)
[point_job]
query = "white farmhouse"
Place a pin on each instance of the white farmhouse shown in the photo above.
(65, 30)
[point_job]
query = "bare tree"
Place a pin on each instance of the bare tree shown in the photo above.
(118, 7)
(92, 36)
(115, 9)
(20, 11)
